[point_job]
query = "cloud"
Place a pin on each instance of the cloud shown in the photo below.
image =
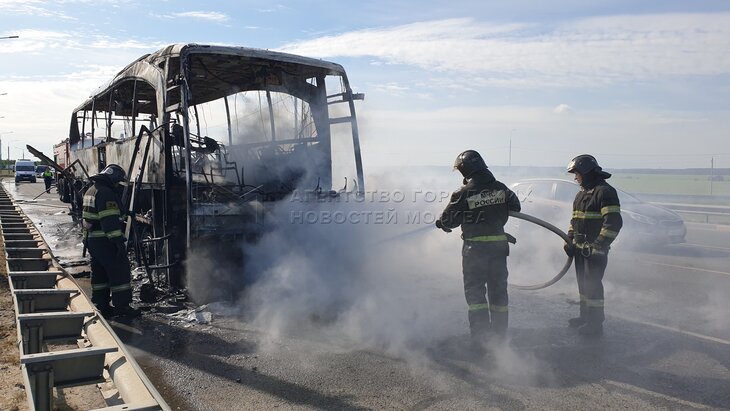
(55, 42)
(30, 8)
(103, 42)
(392, 87)
(562, 109)
(203, 15)
(588, 52)
(57, 98)
(31, 41)
(274, 9)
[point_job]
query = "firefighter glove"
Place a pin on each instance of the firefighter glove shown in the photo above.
(569, 249)
(440, 225)
(598, 250)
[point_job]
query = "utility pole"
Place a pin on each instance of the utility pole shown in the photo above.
(1, 145)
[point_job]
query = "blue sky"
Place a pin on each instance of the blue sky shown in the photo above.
(638, 84)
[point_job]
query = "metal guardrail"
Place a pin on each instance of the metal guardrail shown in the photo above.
(699, 210)
(52, 311)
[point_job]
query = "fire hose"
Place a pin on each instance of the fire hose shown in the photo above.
(522, 216)
(555, 230)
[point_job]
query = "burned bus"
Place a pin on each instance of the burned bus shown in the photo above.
(209, 135)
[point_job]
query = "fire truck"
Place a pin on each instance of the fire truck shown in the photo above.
(61, 153)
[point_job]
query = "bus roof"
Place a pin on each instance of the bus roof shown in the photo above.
(148, 67)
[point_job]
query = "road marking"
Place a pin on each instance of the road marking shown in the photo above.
(675, 329)
(704, 246)
(688, 268)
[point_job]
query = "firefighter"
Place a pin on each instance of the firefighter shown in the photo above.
(110, 271)
(48, 179)
(481, 207)
(595, 224)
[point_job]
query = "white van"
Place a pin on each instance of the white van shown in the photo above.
(24, 170)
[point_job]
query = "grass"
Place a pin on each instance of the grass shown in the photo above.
(670, 184)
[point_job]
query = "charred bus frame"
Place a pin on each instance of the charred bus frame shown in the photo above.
(197, 166)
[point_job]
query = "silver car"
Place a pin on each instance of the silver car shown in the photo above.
(645, 224)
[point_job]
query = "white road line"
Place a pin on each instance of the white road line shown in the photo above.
(674, 329)
(704, 246)
(688, 268)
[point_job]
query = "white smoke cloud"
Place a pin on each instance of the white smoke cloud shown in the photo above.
(350, 278)
(392, 285)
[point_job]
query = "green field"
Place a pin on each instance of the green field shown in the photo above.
(671, 184)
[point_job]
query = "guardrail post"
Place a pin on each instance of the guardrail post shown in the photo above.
(41, 379)
(32, 337)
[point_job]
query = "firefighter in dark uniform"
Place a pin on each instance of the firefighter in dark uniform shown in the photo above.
(481, 207)
(110, 271)
(595, 224)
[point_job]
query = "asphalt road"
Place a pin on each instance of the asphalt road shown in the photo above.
(667, 342)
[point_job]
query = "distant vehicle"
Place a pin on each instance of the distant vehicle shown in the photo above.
(24, 171)
(644, 224)
(39, 170)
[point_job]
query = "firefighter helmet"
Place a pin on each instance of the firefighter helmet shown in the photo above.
(584, 164)
(113, 173)
(469, 162)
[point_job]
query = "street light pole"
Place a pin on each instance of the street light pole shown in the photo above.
(1, 144)
(9, 37)
(4, 132)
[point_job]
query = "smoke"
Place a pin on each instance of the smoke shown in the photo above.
(715, 311)
(370, 274)
(537, 256)
(341, 265)
(375, 274)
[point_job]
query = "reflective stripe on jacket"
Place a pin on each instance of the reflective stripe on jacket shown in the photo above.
(596, 215)
(101, 212)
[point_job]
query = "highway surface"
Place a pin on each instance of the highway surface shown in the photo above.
(667, 340)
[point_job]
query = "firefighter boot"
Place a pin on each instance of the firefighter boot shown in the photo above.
(500, 320)
(106, 311)
(479, 328)
(580, 320)
(101, 299)
(594, 324)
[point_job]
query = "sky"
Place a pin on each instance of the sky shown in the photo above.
(638, 84)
